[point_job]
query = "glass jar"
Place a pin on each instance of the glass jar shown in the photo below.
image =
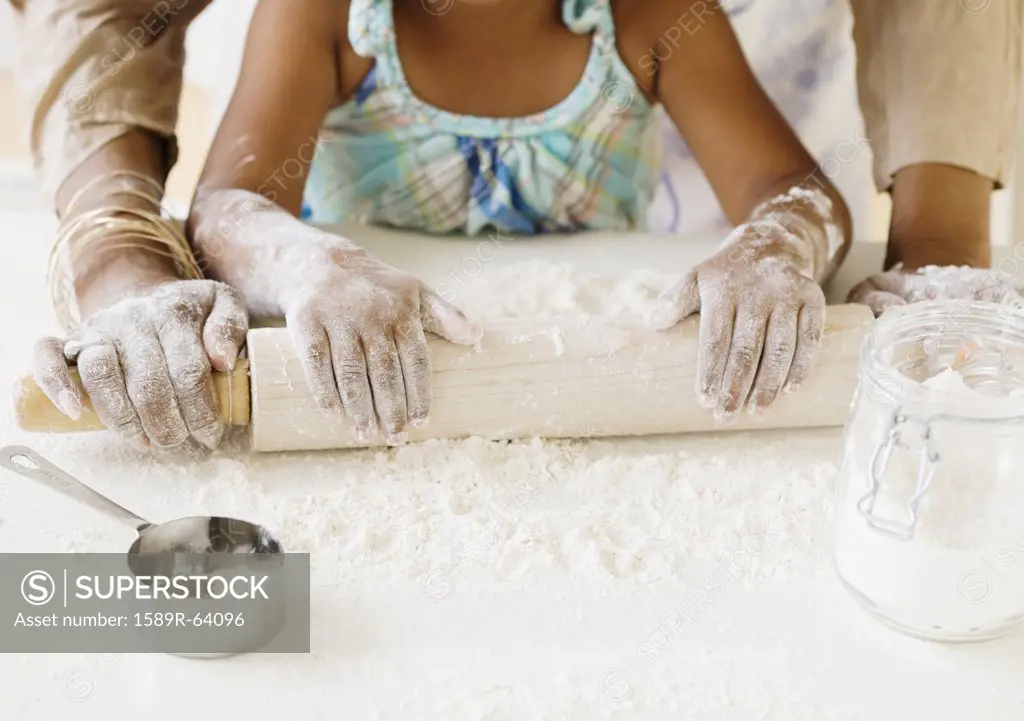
(929, 524)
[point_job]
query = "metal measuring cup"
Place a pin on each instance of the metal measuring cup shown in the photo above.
(183, 547)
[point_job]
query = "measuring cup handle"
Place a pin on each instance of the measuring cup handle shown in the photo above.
(26, 462)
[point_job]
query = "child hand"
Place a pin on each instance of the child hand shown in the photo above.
(761, 318)
(359, 328)
(898, 287)
(145, 362)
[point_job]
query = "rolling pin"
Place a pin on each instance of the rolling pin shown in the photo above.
(557, 379)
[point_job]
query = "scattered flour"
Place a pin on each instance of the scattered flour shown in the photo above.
(684, 578)
(542, 290)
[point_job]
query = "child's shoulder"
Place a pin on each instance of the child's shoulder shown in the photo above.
(638, 24)
(644, 21)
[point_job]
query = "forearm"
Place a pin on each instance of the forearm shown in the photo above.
(103, 79)
(762, 175)
(940, 216)
(105, 270)
(939, 83)
(257, 247)
(93, 71)
(939, 87)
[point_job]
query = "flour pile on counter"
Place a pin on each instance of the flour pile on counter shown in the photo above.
(542, 290)
(592, 508)
(644, 511)
(647, 578)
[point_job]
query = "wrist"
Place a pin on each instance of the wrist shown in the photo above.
(256, 246)
(767, 240)
(307, 268)
(816, 223)
(914, 250)
(108, 275)
(941, 216)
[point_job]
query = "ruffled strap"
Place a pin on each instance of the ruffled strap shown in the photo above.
(369, 27)
(587, 16)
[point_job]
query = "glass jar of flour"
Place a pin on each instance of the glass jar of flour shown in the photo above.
(930, 510)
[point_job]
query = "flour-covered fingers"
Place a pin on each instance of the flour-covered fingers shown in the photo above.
(412, 352)
(716, 331)
(385, 371)
(878, 299)
(150, 388)
(810, 328)
(225, 327)
(443, 319)
(100, 371)
(353, 383)
(314, 349)
(676, 303)
(190, 374)
(52, 374)
(744, 357)
(776, 358)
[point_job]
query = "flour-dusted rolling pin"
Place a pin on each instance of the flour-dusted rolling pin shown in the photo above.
(564, 379)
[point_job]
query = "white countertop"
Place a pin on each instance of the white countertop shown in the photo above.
(548, 630)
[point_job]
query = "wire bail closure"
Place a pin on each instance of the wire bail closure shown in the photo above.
(927, 466)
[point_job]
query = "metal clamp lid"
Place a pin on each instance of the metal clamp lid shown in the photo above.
(928, 464)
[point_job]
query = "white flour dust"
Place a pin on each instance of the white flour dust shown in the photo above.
(542, 291)
(685, 578)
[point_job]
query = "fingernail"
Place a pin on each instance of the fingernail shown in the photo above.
(328, 409)
(706, 400)
(660, 317)
(724, 416)
(363, 433)
(140, 441)
(475, 337)
(69, 404)
(726, 411)
(790, 387)
(211, 439)
(418, 421)
(228, 352)
(398, 439)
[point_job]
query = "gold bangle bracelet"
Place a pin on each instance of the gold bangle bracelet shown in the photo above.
(79, 230)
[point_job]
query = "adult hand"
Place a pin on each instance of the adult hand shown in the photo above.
(898, 287)
(358, 325)
(145, 362)
(761, 318)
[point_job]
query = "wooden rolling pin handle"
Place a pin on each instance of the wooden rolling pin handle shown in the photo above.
(35, 413)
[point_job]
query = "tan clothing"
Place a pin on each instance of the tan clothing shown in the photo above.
(94, 69)
(939, 81)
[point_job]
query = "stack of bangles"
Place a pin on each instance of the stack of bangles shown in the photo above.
(115, 226)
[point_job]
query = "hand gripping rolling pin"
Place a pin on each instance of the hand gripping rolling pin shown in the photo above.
(557, 379)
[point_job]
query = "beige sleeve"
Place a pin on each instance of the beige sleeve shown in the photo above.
(92, 70)
(939, 82)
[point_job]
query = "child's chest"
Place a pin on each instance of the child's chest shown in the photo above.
(480, 67)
